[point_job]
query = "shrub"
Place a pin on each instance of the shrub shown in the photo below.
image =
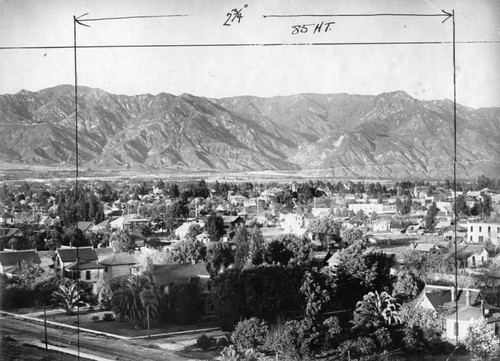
(357, 348)
(108, 316)
(222, 342)
(249, 334)
(206, 342)
(95, 318)
(383, 339)
(299, 340)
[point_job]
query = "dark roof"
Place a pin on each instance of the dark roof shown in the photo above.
(85, 226)
(69, 254)
(14, 258)
(7, 215)
(179, 273)
(438, 298)
(9, 232)
(232, 219)
(119, 259)
(83, 265)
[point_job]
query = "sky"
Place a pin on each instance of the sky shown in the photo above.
(423, 71)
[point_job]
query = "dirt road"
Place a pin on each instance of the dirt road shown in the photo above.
(123, 350)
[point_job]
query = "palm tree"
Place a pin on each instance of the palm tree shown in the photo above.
(137, 299)
(68, 298)
(375, 310)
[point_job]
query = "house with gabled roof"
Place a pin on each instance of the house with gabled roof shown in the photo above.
(129, 222)
(434, 297)
(85, 226)
(426, 247)
(85, 270)
(119, 264)
(67, 256)
(181, 273)
(11, 261)
(6, 218)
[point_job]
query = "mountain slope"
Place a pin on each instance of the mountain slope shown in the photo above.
(388, 135)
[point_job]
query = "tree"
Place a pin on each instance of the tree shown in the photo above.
(215, 226)
(326, 229)
(481, 340)
(184, 303)
(121, 241)
(242, 252)
(352, 235)
(129, 301)
(430, 217)
(360, 271)
(256, 246)
(407, 287)
(461, 205)
(288, 248)
(192, 251)
(219, 256)
(68, 297)
(193, 231)
(376, 310)
(249, 334)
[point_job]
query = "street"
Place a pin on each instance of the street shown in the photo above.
(27, 332)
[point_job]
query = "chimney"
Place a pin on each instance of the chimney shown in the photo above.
(467, 298)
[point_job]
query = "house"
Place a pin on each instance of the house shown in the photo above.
(231, 223)
(129, 222)
(480, 232)
(85, 270)
(7, 219)
(435, 297)
(10, 261)
(119, 264)
(334, 260)
(381, 226)
(468, 314)
(8, 233)
(203, 237)
(67, 256)
(425, 247)
(104, 225)
(85, 226)
(183, 229)
(167, 275)
(472, 255)
(291, 221)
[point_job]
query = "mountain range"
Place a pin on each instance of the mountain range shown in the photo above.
(390, 135)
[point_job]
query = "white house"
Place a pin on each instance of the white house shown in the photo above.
(129, 222)
(480, 232)
(291, 221)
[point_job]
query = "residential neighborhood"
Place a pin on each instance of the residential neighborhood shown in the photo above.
(202, 242)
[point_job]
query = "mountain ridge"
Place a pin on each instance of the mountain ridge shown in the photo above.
(391, 135)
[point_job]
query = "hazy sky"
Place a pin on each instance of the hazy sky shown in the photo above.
(424, 71)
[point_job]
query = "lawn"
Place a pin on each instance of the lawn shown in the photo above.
(121, 328)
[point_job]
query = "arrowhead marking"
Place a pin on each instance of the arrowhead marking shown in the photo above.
(449, 15)
(77, 20)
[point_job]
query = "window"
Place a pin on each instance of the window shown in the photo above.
(489, 229)
(480, 229)
(105, 268)
(87, 275)
(471, 228)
